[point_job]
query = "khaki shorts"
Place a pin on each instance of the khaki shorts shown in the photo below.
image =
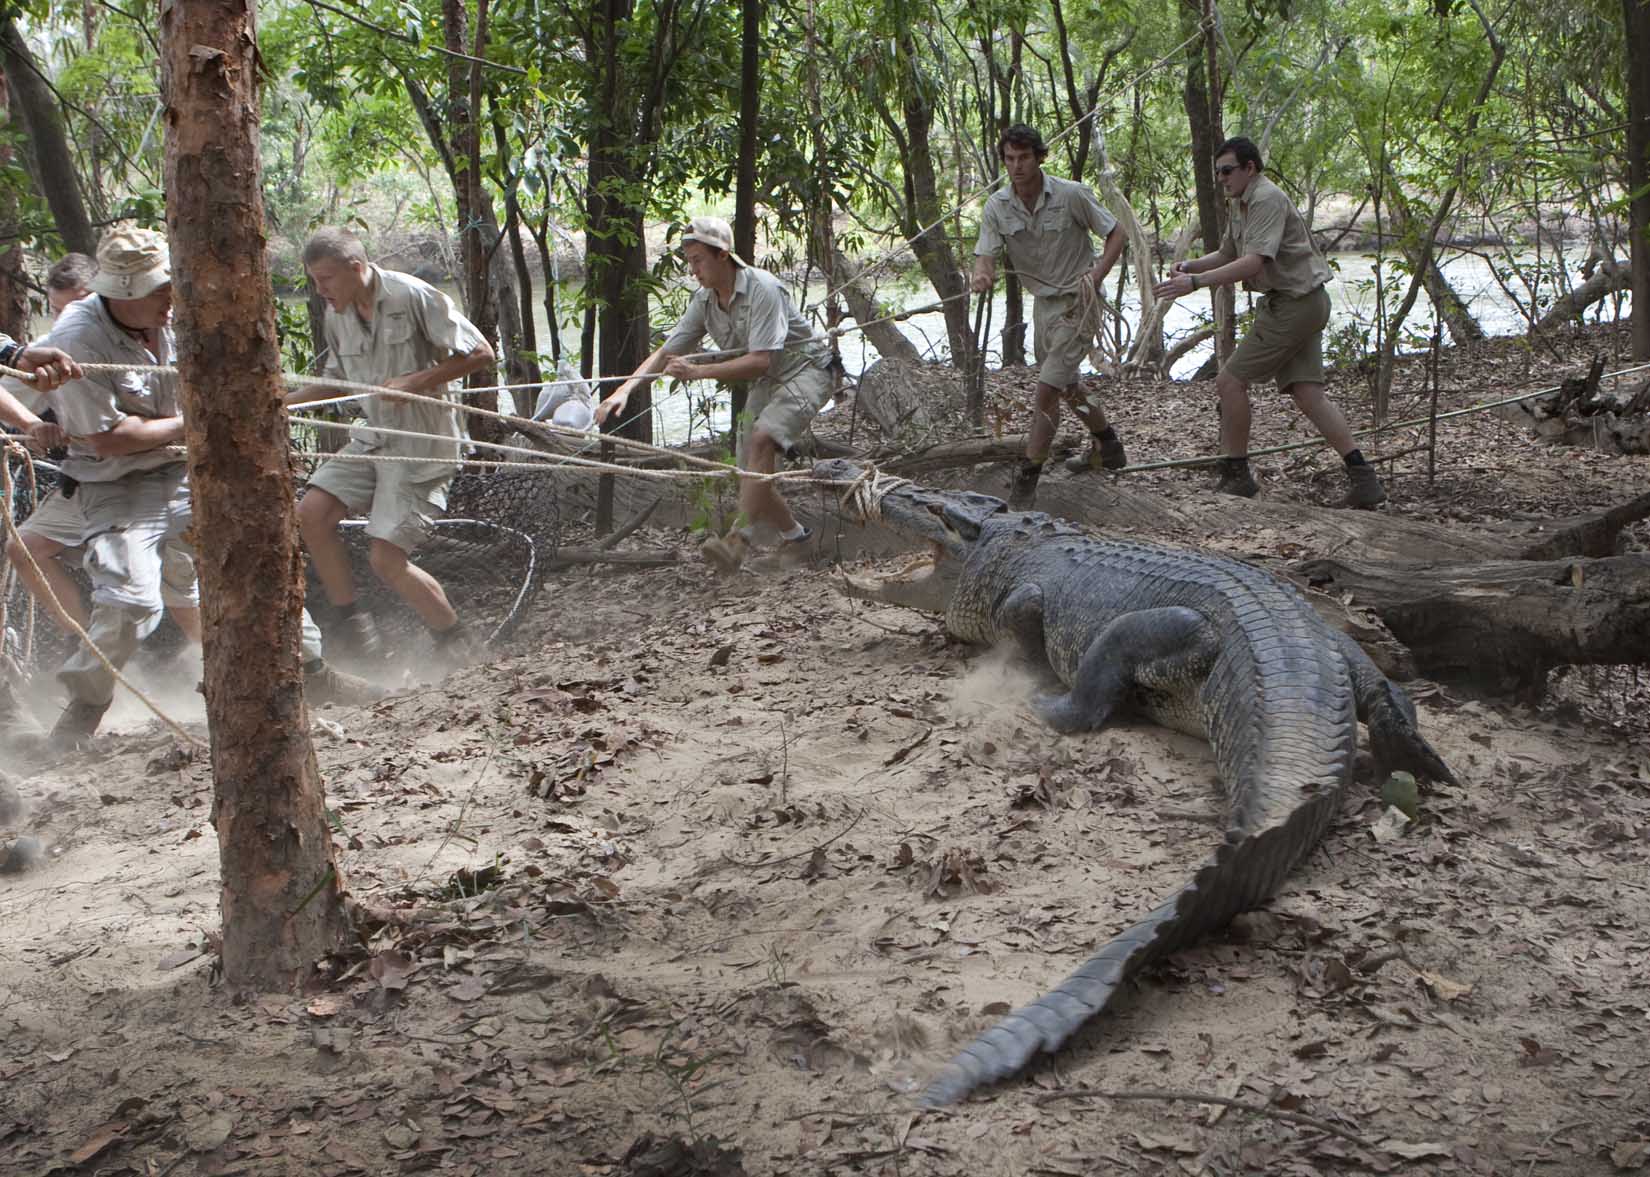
(1059, 343)
(63, 522)
(400, 503)
(1286, 342)
(136, 555)
(783, 408)
(58, 519)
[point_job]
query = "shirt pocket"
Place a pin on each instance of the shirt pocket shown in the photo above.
(1055, 220)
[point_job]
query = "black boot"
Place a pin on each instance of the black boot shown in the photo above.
(1023, 492)
(1235, 479)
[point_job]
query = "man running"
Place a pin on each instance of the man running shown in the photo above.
(1268, 249)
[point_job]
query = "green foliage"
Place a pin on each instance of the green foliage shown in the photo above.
(1361, 104)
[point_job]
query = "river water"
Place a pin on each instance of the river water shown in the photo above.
(680, 411)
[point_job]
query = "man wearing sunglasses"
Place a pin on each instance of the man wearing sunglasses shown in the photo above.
(1269, 250)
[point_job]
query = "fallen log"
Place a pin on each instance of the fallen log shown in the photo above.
(1502, 625)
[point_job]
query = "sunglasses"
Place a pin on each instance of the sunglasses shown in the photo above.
(1226, 169)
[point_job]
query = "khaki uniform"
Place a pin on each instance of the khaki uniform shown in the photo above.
(1286, 341)
(761, 317)
(413, 327)
(136, 507)
(1049, 248)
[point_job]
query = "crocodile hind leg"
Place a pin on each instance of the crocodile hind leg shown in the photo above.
(1137, 651)
(1387, 711)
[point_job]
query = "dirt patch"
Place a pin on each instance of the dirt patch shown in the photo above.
(707, 877)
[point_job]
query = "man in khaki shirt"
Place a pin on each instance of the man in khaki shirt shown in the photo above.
(1269, 250)
(1043, 223)
(391, 330)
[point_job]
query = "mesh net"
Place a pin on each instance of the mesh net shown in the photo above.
(490, 552)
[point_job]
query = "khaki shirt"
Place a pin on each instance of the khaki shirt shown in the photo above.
(759, 317)
(99, 401)
(1048, 245)
(1264, 221)
(413, 328)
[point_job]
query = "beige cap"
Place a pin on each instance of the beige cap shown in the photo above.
(131, 263)
(714, 232)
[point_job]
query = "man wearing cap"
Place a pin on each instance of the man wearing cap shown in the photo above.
(391, 330)
(1043, 223)
(1269, 250)
(58, 524)
(131, 481)
(785, 359)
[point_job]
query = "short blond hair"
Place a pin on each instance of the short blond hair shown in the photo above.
(336, 243)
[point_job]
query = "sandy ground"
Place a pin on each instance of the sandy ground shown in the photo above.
(710, 875)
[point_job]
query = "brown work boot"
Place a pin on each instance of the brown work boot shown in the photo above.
(1236, 479)
(458, 647)
(1103, 454)
(1365, 489)
(357, 636)
(77, 725)
(726, 553)
(323, 685)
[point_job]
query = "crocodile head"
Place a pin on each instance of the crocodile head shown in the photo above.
(950, 522)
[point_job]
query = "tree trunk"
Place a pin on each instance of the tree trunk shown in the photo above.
(750, 92)
(1636, 14)
(887, 338)
(615, 244)
(932, 247)
(32, 100)
(1203, 119)
(14, 291)
(282, 892)
(1611, 276)
(1451, 308)
(1502, 626)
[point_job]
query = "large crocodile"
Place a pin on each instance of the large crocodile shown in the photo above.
(1199, 643)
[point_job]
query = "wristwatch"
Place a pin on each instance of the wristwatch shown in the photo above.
(1193, 277)
(9, 350)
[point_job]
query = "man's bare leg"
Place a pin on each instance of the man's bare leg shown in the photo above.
(1324, 414)
(319, 515)
(188, 619)
(412, 584)
(52, 575)
(1234, 416)
(1045, 420)
(760, 499)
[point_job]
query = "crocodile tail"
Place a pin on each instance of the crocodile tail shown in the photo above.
(1242, 873)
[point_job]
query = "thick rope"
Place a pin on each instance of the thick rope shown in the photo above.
(16, 538)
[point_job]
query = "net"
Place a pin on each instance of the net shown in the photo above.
(490, 552)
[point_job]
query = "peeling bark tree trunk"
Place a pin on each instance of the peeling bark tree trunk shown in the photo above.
(282, 893)
(33, 102)
(1636, 14)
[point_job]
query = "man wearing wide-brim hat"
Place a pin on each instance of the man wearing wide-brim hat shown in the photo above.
(786, 361)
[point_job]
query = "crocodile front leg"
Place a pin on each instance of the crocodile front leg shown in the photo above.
(1163, 652)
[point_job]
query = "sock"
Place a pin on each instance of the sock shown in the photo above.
(1029, 470)
(796, 532)
(1107, 434)
(1355, 458)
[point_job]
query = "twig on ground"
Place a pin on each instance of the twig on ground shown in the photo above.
(1258, 1109)
(808, 853)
